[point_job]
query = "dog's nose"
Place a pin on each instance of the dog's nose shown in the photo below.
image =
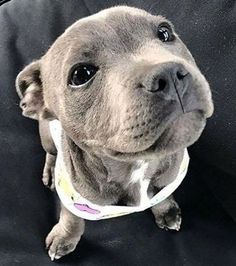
(168, 79)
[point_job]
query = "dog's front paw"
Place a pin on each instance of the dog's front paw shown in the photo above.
(60, 242)
(168, 214)
(170, 220)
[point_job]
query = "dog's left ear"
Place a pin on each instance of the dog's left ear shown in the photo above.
(30, 90)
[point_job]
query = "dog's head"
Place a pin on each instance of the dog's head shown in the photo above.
(122, 83)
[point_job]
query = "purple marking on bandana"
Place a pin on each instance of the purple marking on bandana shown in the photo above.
(85, 208)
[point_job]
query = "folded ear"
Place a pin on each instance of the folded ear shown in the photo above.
(30, 90)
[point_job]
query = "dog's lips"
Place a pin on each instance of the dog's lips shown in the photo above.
(171, 124)
(156, 141)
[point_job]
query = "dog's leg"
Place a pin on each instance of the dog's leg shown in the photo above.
(51, 151)
(48, 171)
(65, 235)
(167, 214)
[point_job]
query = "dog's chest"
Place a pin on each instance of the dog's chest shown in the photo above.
(140, 178)
(132, 180)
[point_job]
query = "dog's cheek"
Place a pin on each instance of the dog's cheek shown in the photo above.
(202, 92)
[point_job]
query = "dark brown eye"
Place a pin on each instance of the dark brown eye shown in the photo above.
(81, 74)
(164, 34)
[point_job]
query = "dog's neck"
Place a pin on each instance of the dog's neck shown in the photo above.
(100, 179)
(104, 180)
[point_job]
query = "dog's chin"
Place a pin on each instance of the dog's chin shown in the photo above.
(177, 135)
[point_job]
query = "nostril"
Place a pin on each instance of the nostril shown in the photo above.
(161, 84)
(180, 75)
(158, 84)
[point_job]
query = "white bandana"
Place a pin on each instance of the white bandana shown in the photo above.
(85, 209)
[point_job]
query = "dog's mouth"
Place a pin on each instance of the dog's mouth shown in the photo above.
(187, 125)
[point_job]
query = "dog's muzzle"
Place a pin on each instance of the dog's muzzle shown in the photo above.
(170, 81)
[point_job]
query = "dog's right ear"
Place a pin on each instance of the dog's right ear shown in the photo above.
(30, 90)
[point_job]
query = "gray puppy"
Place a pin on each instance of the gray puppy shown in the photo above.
(127, 93)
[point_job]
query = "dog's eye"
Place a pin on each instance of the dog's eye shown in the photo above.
(164, 34)
(81, 74)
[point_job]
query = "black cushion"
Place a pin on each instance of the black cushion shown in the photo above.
(207, 196)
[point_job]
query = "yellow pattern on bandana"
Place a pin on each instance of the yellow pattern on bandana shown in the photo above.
(85, 209)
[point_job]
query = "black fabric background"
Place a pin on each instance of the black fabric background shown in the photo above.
(207, 196)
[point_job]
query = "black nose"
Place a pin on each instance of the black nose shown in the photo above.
(168, 78)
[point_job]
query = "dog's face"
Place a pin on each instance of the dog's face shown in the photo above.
(122, 83)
